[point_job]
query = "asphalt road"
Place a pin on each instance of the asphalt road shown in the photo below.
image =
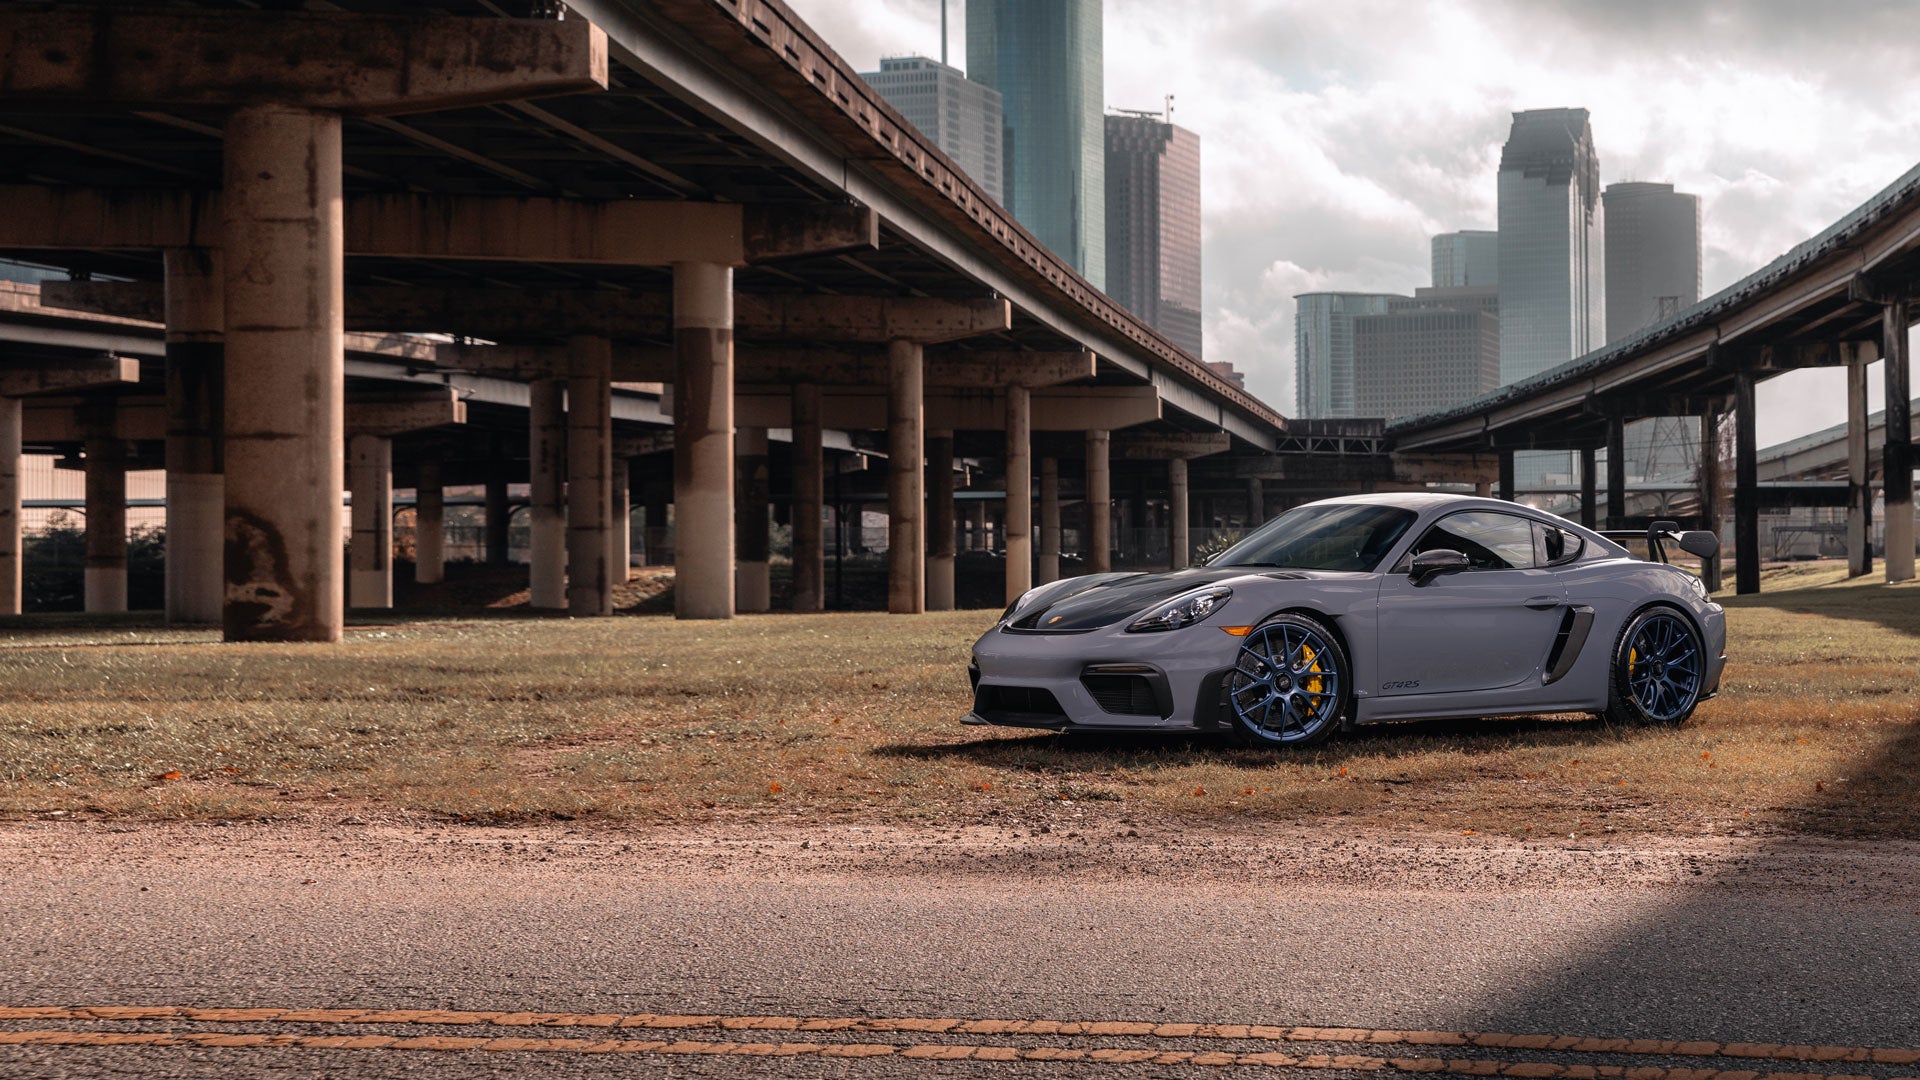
(1743, 940)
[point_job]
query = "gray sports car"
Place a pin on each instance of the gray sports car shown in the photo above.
(1365, 609)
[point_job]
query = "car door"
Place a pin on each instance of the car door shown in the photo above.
(1488, 627)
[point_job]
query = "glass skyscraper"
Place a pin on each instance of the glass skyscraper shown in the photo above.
(1552, 298)
(1153, 225)
(1653, 254)
(1044, 57)
(1323, 381)
(1470, 257)
(961, 116)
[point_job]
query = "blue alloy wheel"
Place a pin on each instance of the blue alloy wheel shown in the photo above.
(1287, 682)
(1663, 667)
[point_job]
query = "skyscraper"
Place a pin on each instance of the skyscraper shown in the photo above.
(1470, 257)
(1653, 254)
(961, 116)
(1414, 359)
(1044, 58)
(1153, 224)
(1323, 385)
(1552, 301)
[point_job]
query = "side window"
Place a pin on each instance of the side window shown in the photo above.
(1555, 546)
(1490, 540)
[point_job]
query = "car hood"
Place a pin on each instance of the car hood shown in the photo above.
(1122, 598)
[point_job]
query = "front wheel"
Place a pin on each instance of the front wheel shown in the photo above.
(1658, 669)
(1289, 684)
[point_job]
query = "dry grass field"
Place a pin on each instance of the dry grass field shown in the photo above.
(855, 717)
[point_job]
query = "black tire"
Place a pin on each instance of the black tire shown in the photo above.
(1664, 688)
(1272, 707)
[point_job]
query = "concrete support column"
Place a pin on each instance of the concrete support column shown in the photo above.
(196, 490)
(1506, 476)
(940, 521)
(809, 493)
(621, 541)
(285, 449)
(1859, 489)
(1099, 481)
(906, 499)
(1896, 469)
(1180, 536)
(546, 483)
(1709, 473)
(703, 441)
(10, 577)
(977, 527)
(1049, 521)
(1483, 489)
(1256, 503)
(370, 479)
(1019, 517)
(1746, 491)
(655, 536)
(1616, 472)
(1589, 493)
(590, 477)
(429, 525)
(752, 581)
(106, 539)
(498, 517)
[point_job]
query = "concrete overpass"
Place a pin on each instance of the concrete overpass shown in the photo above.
(694, 193)
(1843, 298)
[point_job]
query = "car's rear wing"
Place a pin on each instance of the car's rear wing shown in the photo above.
(1696, 542)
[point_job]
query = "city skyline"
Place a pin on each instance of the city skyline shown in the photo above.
(1336, 152)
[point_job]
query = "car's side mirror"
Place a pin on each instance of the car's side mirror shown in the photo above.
(1699, 543)
(1428, 565)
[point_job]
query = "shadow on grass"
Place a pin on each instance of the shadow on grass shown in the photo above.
(1058, 751)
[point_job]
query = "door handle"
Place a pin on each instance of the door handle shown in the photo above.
(1544, 603)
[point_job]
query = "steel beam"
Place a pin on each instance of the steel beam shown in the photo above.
(1896, 460)
(1859, 491)
(1746, 495)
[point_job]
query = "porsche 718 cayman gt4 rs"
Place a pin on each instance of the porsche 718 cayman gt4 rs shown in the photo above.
(1359, 610)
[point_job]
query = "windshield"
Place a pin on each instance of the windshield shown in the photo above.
(1328, 536)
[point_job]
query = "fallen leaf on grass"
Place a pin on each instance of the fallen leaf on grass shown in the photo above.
(172, 774)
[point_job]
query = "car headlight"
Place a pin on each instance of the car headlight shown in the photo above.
(1183, 610)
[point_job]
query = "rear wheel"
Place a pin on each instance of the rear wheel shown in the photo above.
(1659, 667)
(1289, 684)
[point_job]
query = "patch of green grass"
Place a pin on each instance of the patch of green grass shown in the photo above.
(855, 716)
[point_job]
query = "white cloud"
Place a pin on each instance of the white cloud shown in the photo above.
(1336, 138)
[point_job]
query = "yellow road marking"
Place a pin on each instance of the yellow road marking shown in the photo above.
(935, 1051)
(953, 1026)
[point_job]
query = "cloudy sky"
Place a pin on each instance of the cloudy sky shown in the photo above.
(1338, 137)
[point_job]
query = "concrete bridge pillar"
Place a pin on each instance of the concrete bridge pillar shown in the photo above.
(1859, 490)
(940, 521)
(589, 456)
(429, 525)
(1616, 472)
(1589, 493)
(906, 500)
(106, 568)
(285, 446)
(752, 581)
(809, 492)
(497, 518)
(547, 509)
(370, 479)
(977, 527)
(621, 542)
(1256, 503)
(10, 577)
(1049, 521)
(196, 491)
(1746, 491)
(1019, 517)
(654, 533)
(1506, 476)
(703, 441)
(1179, 519)
(1099, 481)
(1709, 475)
(1897, 457)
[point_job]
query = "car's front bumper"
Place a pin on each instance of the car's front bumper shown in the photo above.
(1106, 679)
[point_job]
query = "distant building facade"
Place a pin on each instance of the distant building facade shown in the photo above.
(1153, 224)
(1045, 60)
(1323, 350)
(1653, 254)
(1436, 349)
(1466, 259)
(961, 116)
(1551, 243)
